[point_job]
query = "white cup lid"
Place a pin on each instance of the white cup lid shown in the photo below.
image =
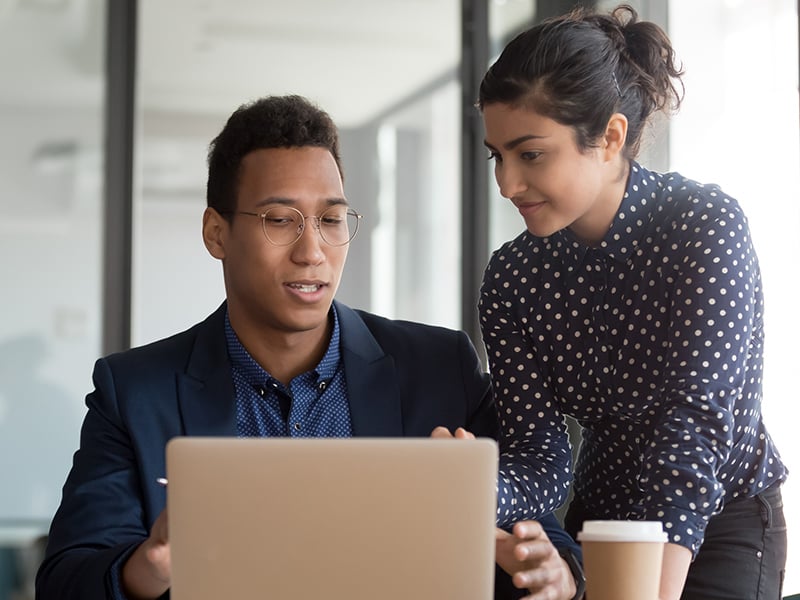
(622, 531)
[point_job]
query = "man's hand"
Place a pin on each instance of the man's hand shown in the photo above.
(533, 562)
(146, 573)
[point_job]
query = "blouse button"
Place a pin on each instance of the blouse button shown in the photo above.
(297, 426)
(322, 385)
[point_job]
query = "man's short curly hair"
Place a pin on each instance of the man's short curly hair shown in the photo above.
(270, 122)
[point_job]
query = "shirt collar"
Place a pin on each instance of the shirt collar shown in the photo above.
(627, 228)
(255, 375)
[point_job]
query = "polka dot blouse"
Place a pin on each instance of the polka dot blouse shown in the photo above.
(653, 341)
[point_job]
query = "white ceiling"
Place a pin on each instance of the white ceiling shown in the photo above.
(354, 57)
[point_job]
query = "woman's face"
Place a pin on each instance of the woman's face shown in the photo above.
(553, 183)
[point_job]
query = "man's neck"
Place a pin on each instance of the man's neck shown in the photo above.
(284, 355)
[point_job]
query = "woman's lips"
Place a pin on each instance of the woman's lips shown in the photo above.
(529, 208)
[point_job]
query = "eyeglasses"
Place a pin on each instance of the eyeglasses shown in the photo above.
(283, 225)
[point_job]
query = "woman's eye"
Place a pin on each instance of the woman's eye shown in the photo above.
(494, 156)
(530, 155)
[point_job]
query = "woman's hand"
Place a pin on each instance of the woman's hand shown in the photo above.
(460, 433)
(530, 558)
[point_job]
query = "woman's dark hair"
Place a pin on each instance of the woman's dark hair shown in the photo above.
(580, 68)
(270, 122)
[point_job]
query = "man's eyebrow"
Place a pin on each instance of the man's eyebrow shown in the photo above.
(516, 141)
(284, 201)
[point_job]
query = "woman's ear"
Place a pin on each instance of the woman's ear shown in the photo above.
(615, 136)
(214, 229)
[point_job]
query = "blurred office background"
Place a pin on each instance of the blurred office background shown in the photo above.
(106, 111)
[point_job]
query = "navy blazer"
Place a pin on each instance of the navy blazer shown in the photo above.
(403, 379)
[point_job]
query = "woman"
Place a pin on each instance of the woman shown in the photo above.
(633, 303)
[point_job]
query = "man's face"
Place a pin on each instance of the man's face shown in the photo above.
(283, 289)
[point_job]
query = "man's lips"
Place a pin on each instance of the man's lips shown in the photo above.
(306, 287)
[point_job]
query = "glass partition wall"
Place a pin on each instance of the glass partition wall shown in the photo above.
(51, 215)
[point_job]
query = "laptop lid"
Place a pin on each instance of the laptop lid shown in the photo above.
(399, 518)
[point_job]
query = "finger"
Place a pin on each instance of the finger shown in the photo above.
(160, 529)
(463, 434)
(501, 534)
(529, 530)
(441, 433)
(536, 580)
(535, 551)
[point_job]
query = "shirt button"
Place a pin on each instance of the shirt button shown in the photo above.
(297, 426)
(322, 385)
(261, 391)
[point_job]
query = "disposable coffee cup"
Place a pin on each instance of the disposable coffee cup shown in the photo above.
(622, 559)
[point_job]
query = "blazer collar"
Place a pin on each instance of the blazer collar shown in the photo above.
(207, 398)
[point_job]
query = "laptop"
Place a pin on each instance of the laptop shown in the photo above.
(358, 518)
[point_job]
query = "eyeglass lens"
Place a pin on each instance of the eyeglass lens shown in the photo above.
(283, 225)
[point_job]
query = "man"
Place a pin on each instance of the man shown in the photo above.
(279, 358)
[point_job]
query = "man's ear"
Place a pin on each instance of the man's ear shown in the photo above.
(615, 136)
(215, 227)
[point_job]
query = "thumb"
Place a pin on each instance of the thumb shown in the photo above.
(441, 432)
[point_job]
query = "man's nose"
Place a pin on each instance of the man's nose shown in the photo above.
(308, 248)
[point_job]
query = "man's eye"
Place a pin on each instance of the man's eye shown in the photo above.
(279, 221)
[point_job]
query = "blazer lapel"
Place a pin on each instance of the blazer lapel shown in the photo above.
(207, 398)
(206, 394)
(372, 389)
